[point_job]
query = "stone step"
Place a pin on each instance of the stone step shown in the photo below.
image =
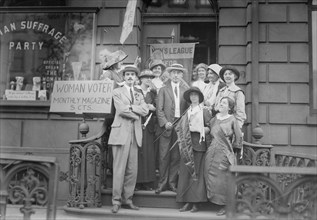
(166, 199)
(142, 198)
(143, 213)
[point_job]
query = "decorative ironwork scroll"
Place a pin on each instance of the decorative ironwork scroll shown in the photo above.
(258, 192)
(85, 174)
(255, 154)
(30, 181)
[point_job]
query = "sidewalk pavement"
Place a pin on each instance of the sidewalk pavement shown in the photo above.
(66, 213)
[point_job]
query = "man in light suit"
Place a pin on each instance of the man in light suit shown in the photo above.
(125, 138)
(170, 106)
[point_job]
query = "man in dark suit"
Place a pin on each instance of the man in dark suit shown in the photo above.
(170, 106)
(125, 138)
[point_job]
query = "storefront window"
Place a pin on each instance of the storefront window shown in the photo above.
(38, 48)
(313, 69)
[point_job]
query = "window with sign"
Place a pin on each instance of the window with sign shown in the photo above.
(313, 55)
(42, 46)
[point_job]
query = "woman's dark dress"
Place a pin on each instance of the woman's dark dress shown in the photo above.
(188, 189)
(146, 156)
(226, 135)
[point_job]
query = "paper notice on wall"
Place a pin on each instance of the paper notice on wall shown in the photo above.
(82, 97)
(128, 20)
(20, 95)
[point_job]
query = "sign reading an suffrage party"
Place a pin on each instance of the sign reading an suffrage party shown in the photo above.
(82, 97)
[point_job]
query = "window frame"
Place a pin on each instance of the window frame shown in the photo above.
(54, 9)
(312, 54)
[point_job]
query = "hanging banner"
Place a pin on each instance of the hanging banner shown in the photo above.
(128, 20)
(182, 53)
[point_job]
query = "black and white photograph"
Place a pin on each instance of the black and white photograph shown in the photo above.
(158, 109)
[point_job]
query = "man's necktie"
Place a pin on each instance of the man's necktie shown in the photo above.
(132, 97)
(175, 90)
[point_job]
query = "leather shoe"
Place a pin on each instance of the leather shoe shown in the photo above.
(185, 208)
(194, 208)
(130, 206)
(173, 188)
(115, 208)
(159, 190)
(222, 211)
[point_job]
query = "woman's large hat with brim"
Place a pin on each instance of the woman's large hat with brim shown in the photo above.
(114, 58)
(215, 67)
(201, 65)
(176, 66)
(155, 63)
(234, 70)
(146, 73)
(196, 90)
(130, 68)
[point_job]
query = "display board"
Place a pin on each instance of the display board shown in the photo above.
(82, 97)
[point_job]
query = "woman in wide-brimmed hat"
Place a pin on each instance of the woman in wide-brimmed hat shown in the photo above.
(193, 125)
(157, 67)
(215, 84)
(229, 75)
(201, 70)
(112, 65)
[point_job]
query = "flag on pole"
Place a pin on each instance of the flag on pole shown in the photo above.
(128, 20)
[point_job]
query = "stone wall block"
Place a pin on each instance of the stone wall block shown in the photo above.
(273, 52)
(248, 53)
(272, 13)
(288, 114)
(299, 52)
(233, 3)
(232, 55)
(288, 32)
(262, 72)
(299, 93)
(109, 17)
(56, 135)
(248, 93)
(232, 17)
(304, 136)
(261, 35)
(273, 93)
(232, 36)
(262, 113)
(296, 73)
(275, 134)
(10, 134)
(298, 13)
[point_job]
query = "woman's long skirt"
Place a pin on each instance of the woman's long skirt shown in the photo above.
(189, 190)
(146, 158)
(216, 170)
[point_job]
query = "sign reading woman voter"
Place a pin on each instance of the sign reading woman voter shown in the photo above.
(82, 97)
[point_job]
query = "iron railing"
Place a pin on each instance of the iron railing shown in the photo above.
(272, 192)
(28, 181)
